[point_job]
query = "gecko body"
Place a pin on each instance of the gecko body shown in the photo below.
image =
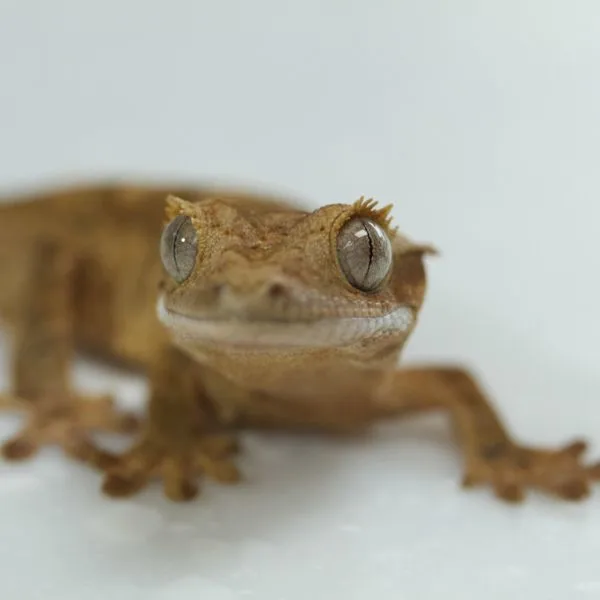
(245, 311)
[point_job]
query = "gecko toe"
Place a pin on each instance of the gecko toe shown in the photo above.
(574, 490)
(575, 449)
(510, 492)
(122, 486)
(85, 451)
(19, 448)
(223, 471)
(594, 471)
(180, 489)
(178, 478)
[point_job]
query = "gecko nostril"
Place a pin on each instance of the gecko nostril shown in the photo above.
(276, 291)
(218, 289)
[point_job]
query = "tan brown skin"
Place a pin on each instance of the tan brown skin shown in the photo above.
(80, 268)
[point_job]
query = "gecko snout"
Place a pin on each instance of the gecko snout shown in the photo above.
(275, 290)
(255, 298)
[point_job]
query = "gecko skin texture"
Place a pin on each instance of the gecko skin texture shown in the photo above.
(245, 311)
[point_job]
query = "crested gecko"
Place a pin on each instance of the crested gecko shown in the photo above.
(245, 311)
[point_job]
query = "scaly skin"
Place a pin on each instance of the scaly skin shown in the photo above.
(266, 330)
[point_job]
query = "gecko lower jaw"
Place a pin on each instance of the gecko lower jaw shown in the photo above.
(320, 333)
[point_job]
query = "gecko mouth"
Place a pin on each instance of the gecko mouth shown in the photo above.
(318, 333)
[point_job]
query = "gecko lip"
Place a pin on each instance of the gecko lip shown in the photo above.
(320, 333)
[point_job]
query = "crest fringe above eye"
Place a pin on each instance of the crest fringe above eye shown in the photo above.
(177, 206)
(369, 208)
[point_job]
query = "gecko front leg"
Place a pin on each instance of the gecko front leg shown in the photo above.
(491, 455)
(181, 440)
(43, 353)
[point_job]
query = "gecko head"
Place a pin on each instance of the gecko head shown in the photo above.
(257, 275)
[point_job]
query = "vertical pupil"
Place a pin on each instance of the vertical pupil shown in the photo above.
(364, 253)
(370, 240)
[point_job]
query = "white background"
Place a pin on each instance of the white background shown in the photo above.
(481, 121)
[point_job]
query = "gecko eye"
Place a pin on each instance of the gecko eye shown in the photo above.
(365, 253)
(179, 247)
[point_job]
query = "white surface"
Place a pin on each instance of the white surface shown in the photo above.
(480, 120)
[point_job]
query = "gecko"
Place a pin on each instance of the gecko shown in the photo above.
(245, 311)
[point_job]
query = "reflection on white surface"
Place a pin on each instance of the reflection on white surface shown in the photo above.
(480, 121)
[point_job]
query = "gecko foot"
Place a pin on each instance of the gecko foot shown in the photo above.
(510, 469)
(66, 424)
(179, 466)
